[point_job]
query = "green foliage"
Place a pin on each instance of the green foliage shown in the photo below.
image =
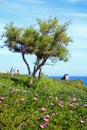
(20, 39)
(53, 40)
(58, 104)
(12, 36)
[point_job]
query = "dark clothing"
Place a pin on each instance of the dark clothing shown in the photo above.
(64, 77)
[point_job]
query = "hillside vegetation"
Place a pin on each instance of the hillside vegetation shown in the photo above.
(34, 104)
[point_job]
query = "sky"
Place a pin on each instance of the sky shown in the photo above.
(24, 13)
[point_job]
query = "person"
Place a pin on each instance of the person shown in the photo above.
(67, 77)
(18, 72)
(64, 77)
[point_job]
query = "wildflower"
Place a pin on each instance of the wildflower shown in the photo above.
(46, 116)
(56, 98)
(35, 99)
(53, 114)
(85, 105)
(45, 119)
(1, 98)
(74, 99)
(51, 104)
(67, 103)
(71, 111)
(50, 96)
(43, 125)
(61, 104)
(22, 99)
(43, 109)
(82, 121)
(36, 94)
(5, 105)
(74, 104)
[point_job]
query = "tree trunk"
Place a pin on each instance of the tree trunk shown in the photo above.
(23, 56)
(39, 74)
(36, 68)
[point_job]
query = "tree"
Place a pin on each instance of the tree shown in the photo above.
(48, 41)
(53, 42)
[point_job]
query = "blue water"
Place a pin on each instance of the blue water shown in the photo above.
(83, 78)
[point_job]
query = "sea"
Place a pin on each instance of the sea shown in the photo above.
(83, 78)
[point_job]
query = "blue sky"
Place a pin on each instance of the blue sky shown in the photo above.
(25, 12)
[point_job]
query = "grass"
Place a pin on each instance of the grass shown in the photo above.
(35, 104)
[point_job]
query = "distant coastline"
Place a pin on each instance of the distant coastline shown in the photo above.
(83, 78)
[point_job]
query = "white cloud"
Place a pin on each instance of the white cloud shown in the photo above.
(10, 5)
(19, 4)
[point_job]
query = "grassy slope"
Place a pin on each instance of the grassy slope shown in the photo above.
(64, 103)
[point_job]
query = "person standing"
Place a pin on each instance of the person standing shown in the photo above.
(67, 77)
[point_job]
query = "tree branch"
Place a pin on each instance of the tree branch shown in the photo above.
(36, 68)
(23, 56)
